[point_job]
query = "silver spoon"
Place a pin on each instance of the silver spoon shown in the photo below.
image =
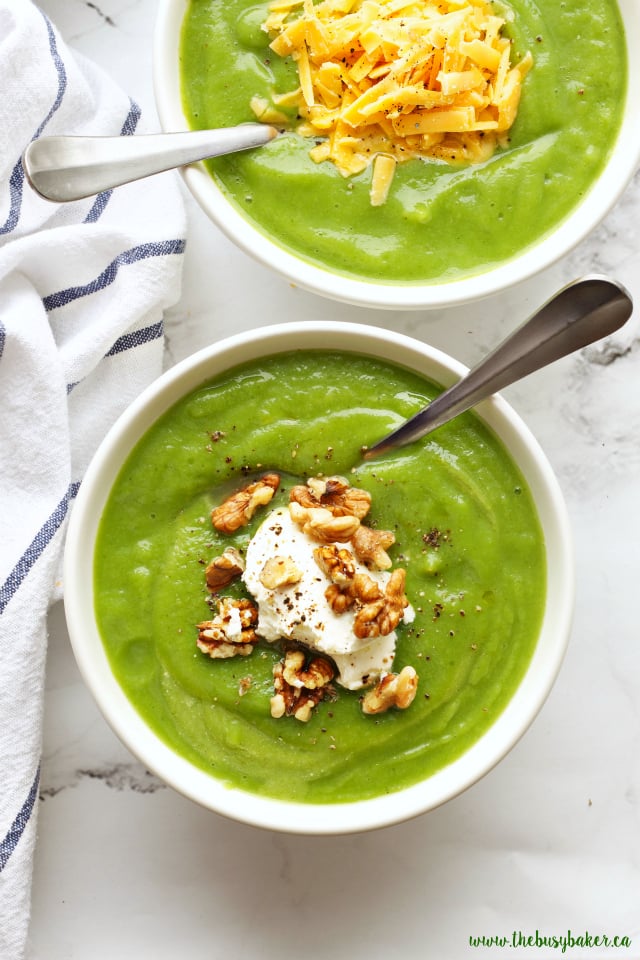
(582, 312)
(72, 168)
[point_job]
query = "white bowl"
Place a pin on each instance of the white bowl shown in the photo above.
(596, 204)
(194, 783)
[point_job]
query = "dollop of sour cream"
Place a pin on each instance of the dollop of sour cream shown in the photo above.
(300, 611)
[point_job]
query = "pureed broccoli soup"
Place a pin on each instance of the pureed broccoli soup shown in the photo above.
(465, 532)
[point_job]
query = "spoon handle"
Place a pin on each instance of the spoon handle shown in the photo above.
(582, 312)
(71, 168)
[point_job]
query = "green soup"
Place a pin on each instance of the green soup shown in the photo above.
(466, 532)
(440, 222)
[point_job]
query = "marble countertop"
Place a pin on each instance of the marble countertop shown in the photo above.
(548, 842)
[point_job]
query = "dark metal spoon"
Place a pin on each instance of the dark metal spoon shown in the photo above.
(71, 168)
(582, 312)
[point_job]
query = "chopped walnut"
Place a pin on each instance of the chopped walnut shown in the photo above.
(320, 524)
(361, 589)
(238, 509)
(381, 616)
(366, 622)
(338, 598)
(393, 690)
(378, 612)
(232, 632)
(299, 686)
(223, 569)
(318, 673)
(279, 572)
(334, 494)
(370, 546)
(336, 562)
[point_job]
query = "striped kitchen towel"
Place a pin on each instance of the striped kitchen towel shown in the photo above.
(83, 288)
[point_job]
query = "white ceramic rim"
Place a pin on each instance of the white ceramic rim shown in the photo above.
(620, 168)
(197, 785)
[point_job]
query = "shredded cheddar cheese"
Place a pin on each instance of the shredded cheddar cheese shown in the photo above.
(383, 81)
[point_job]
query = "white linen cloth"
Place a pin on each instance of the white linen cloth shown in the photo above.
(83, 288)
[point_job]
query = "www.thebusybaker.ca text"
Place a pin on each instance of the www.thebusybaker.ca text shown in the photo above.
(563, 942)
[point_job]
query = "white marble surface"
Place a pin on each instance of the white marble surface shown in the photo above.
(549, 841)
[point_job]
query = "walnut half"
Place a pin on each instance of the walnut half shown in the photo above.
(393, 690)
(361, 590)
(238, 509)
(334, 494)
(370, 547)
(377, 612)
(381, 616)
(299, 686)
(223, 569)
(232, 632)
(337, 563)
(321, 525)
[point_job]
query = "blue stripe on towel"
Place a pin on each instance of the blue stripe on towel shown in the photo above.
(136, 339)
(17, 828)
(16, 181)
(36, 548)
(131, 122)
(108, 275)
(129, 341)
(62, 75)
(103, 198)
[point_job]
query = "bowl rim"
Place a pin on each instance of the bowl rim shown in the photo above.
(596, 204)
(253, 809)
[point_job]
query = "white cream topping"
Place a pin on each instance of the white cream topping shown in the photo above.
(301, 612)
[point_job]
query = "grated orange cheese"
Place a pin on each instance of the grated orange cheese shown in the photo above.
(396, 79)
